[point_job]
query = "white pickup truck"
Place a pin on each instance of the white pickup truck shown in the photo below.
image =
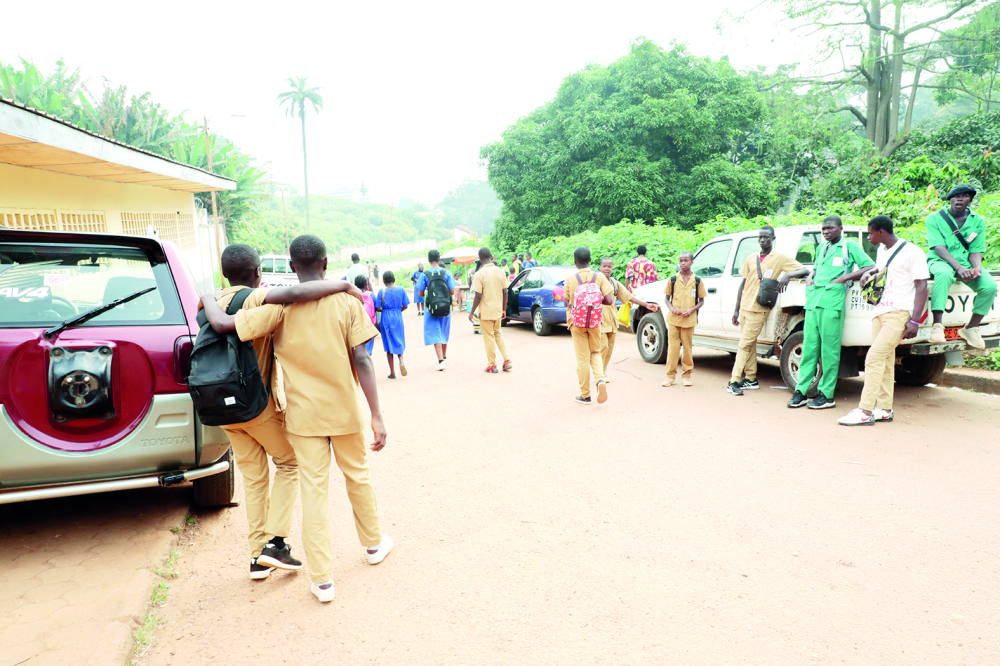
(718, 264)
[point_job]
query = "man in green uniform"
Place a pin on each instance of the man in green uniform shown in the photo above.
(826, 294)
(956, 237)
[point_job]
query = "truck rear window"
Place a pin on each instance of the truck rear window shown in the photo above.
(45, 284)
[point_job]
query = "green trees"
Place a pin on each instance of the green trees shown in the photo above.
(294, 101)
(655, 134)
(472, 204)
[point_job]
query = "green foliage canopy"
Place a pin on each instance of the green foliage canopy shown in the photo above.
(654, 134)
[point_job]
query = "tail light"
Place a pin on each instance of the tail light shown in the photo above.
(557, 293)
(182, 358)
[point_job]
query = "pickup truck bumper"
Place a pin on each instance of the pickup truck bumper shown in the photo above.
(930, 349)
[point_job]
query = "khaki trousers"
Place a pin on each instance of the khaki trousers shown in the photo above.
(607, 347)
(267, 513)
(587, 344)
(314, 455)
(677, 336)
(492, 336)
(880, 363)
(751, 324)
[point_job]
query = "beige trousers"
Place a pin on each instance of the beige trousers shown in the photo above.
(314, 455)
(268, 513)
(677, 336)
(607, 348)
(880, 363)
(751, 324)
(492, 337)
(587, 344)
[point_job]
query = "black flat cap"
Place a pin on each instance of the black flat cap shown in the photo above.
(961, 189)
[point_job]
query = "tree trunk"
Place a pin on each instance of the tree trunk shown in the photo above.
(305, 167)
(873, 65)
(896, 81)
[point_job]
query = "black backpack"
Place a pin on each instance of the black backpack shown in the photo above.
(225, 383)
(437, 296)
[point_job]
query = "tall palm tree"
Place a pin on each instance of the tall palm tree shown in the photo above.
(294, 102)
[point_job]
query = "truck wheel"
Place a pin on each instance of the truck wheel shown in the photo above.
(651, 339)
(216, 490)
(791, 357)
(920, 370)
(538, 322)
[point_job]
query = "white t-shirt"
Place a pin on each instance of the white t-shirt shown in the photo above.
(909, 265)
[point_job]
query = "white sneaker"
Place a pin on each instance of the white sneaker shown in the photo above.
(882, 414)
(857, 417)
(441, 364)
(972, 337)
(937, 334)
(324, 591)
(378, 554)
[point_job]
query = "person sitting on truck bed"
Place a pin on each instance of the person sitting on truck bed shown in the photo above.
(897, 316)
(269, 514)
(826, 295)
(750, 315)
(956, 237)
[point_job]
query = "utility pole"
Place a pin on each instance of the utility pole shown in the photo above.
(215, 208)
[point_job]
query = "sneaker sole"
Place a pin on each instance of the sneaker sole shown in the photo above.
(277, 564)
(888, 420)
(866, 423)
(583, 402)
(602, 393)
(750, 388)
(826, 406)
(402, 369)
(260, 575)
(970, 342)
(801, 404)
(732, 392)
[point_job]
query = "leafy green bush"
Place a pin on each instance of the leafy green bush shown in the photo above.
(990, 361)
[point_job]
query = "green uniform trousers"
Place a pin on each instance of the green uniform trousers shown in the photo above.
(823, 331)
(944, 276)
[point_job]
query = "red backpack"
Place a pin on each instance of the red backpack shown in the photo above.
(588, 302)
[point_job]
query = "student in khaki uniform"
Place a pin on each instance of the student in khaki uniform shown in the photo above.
(685, 296)
(587, 341)
(750, 315)
(490, 287)
(321, 348)
(609, 320)
(269, 511)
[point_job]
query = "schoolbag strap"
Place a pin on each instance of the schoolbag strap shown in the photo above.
(239, 298)
(955, 231)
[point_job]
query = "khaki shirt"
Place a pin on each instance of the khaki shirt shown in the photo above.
(265, 358)
(609, 319)
(572, 283)
(684, 299)
(313, 341)
(491, 283)
(771, 266)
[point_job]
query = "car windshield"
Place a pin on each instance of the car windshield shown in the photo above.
(46, 284)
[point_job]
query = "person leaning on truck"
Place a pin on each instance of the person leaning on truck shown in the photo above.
(956, 237)
(897, 316)
(750, 315)
(826, 295)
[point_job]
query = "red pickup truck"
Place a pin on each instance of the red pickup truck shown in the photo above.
(96, 332)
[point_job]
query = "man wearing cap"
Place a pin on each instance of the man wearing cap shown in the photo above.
(956, 237)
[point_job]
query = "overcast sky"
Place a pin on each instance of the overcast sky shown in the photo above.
(411, 89)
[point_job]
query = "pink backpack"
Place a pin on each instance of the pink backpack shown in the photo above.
(588, 304)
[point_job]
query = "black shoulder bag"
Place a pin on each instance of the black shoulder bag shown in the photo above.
(767, 292)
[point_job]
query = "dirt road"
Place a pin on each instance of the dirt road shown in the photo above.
(668, 526)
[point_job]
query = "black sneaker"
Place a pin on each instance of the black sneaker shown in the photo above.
(748, 385)
(734, 388)
(259, 571)
(583, 401)
(820, 402)
(798, 400)
(279, 558)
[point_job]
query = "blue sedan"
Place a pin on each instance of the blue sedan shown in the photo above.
(536, 297)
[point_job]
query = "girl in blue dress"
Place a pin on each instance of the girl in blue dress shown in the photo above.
(391, 301)
(418, 300)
